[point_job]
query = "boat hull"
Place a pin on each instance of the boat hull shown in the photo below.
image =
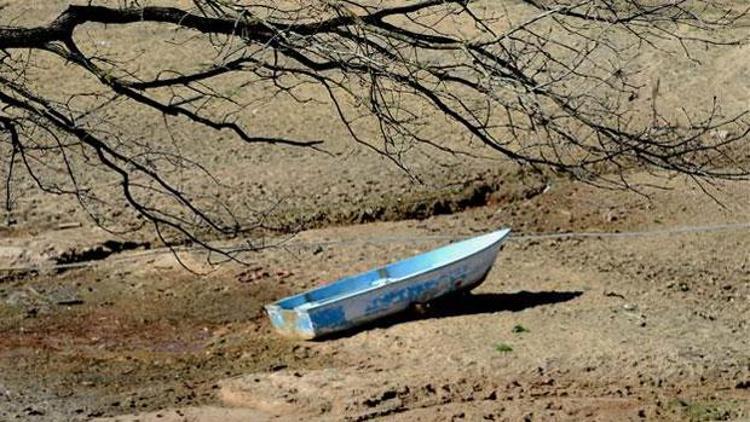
(386, 296)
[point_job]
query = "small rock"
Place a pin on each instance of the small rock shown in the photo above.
(30, 411)
(282, 274)
(614, 294)
(70, 302)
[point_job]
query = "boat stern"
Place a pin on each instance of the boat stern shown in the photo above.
(291, 322)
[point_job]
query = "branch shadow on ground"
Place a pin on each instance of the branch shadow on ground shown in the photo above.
(466, 304)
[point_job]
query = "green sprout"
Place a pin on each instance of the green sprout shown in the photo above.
(503, 348)
(518, 328)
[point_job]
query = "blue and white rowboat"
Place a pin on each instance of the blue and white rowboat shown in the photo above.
(357, 299)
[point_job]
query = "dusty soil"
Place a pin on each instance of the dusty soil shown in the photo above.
(601, 328)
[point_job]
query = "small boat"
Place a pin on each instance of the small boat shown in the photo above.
(360, 298)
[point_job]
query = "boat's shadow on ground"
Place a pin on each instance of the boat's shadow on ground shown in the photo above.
(468, 304)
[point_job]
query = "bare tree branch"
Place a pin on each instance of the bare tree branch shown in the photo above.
(553, 91)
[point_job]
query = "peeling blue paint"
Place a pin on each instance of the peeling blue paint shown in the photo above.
(390, 289)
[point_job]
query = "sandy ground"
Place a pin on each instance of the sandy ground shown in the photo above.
(596, 328)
